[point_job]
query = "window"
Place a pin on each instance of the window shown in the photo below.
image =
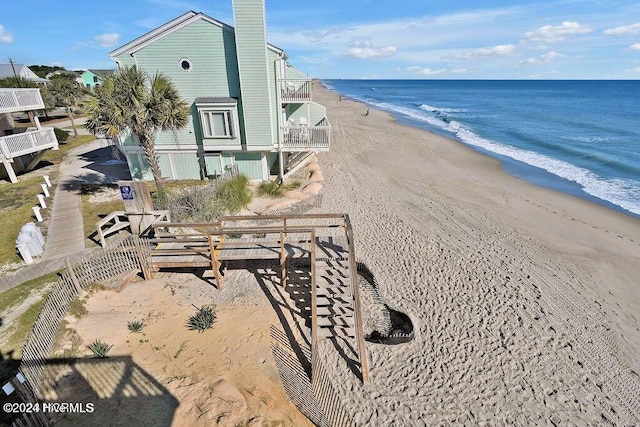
(216, 124)
(185, 64)
(95, 79)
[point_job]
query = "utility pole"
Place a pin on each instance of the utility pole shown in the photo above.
(14, 72)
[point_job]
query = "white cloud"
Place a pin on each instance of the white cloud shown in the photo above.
(625, 30)
(107, 40)
(635, 46)
(424, 70)
(460, 70)
(4, 36)
(500, 50)
(364, 49)
(543, 59)
(633, 70)
(551, 33)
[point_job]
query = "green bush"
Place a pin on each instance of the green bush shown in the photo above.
(61, 134)
(205, 203)
(273, 189)
(235, 194)
(203, 319)
(135, 325)
(99, 348)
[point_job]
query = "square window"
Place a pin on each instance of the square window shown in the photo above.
(216, 124)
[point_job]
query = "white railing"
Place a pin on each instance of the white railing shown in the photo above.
(28, 142)
(12, 100)
(295, 90)
(297, 138)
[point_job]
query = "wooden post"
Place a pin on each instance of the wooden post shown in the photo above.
(146, 273)
(214, 262)
(314, 315)
(355, 288)
(72, 275)
(283, 262)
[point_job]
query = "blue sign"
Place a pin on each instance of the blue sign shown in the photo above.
(126, 192)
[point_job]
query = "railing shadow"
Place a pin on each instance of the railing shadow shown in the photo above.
(103, 391)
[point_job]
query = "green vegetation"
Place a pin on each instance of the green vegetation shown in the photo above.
(276, 190)
(235, 193)
(76, 308)
(203, 319)
(17, 295)
(99, 348)
(19, 329)
(205, 203)
(135, 325)
(61, 135)
(142, 103)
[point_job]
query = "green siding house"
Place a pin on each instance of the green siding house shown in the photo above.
(249, 107)
(93, 78)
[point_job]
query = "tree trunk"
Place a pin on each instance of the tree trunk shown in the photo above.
(148, 146)
(73, 125)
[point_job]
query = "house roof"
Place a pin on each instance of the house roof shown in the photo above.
(62, 72)
(170, 27)
(215, 100)
(101, 73)
(6, 70)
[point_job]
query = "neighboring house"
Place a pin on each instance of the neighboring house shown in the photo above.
(93, 78)
(70, 74)
(248, 106)
(20, 148)
(20, 70)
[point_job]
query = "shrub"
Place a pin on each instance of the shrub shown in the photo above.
(135, 325)
(205, 203)
(273, 189)
(99, 348)
(61, 134)
(203, 319)
(235, 193)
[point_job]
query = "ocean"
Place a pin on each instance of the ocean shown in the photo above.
(579, 137)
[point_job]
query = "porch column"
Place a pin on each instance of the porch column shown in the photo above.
(7, 165)
(280, 165)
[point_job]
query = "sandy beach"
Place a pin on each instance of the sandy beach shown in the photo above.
(524, 300)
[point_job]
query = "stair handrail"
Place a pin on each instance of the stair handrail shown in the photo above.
(355, 288)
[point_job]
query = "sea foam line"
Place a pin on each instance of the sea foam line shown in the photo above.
(621, 192)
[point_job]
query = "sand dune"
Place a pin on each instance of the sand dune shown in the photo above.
(524, 300)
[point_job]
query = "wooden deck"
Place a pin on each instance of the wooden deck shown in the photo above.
(326, 240)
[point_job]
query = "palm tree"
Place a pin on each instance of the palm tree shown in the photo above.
(65, 94)
(132, 100)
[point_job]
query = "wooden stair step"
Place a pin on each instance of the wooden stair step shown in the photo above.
(333, 291)
(335, 322)
(336, 332)
(331, 311)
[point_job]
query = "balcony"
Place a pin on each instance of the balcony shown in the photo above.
(307, 138)
(295, 90)
(28, 142)
(13, 100)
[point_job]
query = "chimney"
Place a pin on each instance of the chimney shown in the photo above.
(253, 68)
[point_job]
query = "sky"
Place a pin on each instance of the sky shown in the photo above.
(359, 39)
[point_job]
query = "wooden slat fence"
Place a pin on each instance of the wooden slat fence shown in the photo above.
(130, 254)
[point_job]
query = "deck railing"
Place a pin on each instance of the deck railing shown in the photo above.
(295, 90)
(13, 100)
(28, 142)
(307, 137)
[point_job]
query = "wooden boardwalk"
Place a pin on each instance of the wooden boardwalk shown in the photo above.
(325, 240)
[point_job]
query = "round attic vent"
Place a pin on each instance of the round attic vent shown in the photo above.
(185, 64)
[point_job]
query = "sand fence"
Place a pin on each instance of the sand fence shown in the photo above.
(129, 255)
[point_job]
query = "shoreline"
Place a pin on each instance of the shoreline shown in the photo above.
(515, 168)
(523, 299)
